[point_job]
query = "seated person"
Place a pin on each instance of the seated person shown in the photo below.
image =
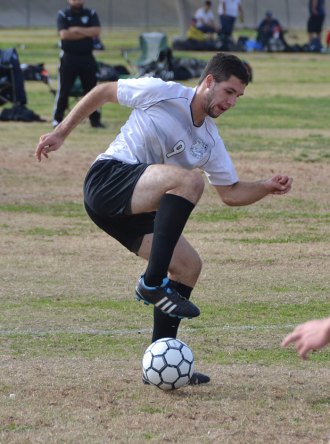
(198, 39)
(268, 29)
(194, 33)
(205, 20)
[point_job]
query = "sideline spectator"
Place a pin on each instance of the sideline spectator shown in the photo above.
(315, 20)
(77, 27)
(311, 335)
(199, 41)
(228, 12)
(270, 33)
(205, 20)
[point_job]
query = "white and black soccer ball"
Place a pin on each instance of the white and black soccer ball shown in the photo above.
(168, 364)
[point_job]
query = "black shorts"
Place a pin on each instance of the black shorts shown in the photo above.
(315, 24)
(108, 190)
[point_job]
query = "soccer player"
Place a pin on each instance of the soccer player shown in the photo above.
(142, 189)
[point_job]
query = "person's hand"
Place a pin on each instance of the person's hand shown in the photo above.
(47, 143)
(279, 184)
(311, 335)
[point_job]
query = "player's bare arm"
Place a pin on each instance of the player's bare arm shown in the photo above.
(246, 193)
(98, 96)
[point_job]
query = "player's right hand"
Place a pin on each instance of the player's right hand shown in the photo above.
(47, 143)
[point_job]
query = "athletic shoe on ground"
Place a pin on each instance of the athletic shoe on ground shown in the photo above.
(167, 299)
(97, 125)
(199, 378)
(196, 379)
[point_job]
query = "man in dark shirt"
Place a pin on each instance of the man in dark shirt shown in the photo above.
(269, 30)
(77, 27)
(316, 19)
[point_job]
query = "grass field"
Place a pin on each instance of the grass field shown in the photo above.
(72, 337)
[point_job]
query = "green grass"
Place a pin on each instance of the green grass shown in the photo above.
(298, 113)
(69, 209)
(235, 214)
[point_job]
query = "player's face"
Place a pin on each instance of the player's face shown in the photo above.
(220, 97)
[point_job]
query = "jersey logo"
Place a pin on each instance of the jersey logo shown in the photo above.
(85, 19)
(177, 149)
(198, 149)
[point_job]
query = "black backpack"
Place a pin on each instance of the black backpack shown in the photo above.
(20, 113)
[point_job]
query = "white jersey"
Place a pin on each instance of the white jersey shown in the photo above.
(232, 7)
(204, 17)
(160, 130)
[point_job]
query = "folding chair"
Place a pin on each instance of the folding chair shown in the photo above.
(151, 45)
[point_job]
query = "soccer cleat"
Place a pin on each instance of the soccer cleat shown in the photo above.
(196, 379)
(97, 125)
(167, 299)
(199, 378)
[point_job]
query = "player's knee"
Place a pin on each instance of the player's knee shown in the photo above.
(186, 269)
(198, 265)
(195, 182)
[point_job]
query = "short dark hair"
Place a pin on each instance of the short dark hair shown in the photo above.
(222, 66)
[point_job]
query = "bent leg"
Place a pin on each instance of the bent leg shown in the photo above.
(173, 192)
(87, 73)
(66, 76)
(158, 180)
(184, 270)
(185, 265)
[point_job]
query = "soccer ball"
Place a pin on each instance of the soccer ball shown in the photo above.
(168, 364)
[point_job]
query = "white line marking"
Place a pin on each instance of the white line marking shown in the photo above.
(118, 332)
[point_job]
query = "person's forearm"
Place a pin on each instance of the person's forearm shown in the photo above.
(98, 96)
(245, 193)
(79, 32)
(93, 31)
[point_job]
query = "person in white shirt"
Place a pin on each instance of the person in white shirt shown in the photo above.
(143, 188)
(205, 20)
(228, 12)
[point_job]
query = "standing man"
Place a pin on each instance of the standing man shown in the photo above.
(143, 188)
(228, 12)
(316, 19)
(77, 27)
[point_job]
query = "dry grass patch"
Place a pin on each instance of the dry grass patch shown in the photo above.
(76, 400)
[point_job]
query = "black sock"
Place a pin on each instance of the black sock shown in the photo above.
(171, 217)
(165, 326)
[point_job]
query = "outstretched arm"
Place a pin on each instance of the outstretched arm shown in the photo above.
(311, 335)
(98, 96)
(246, 193)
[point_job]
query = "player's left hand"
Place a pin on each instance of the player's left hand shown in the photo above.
(279, 184)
